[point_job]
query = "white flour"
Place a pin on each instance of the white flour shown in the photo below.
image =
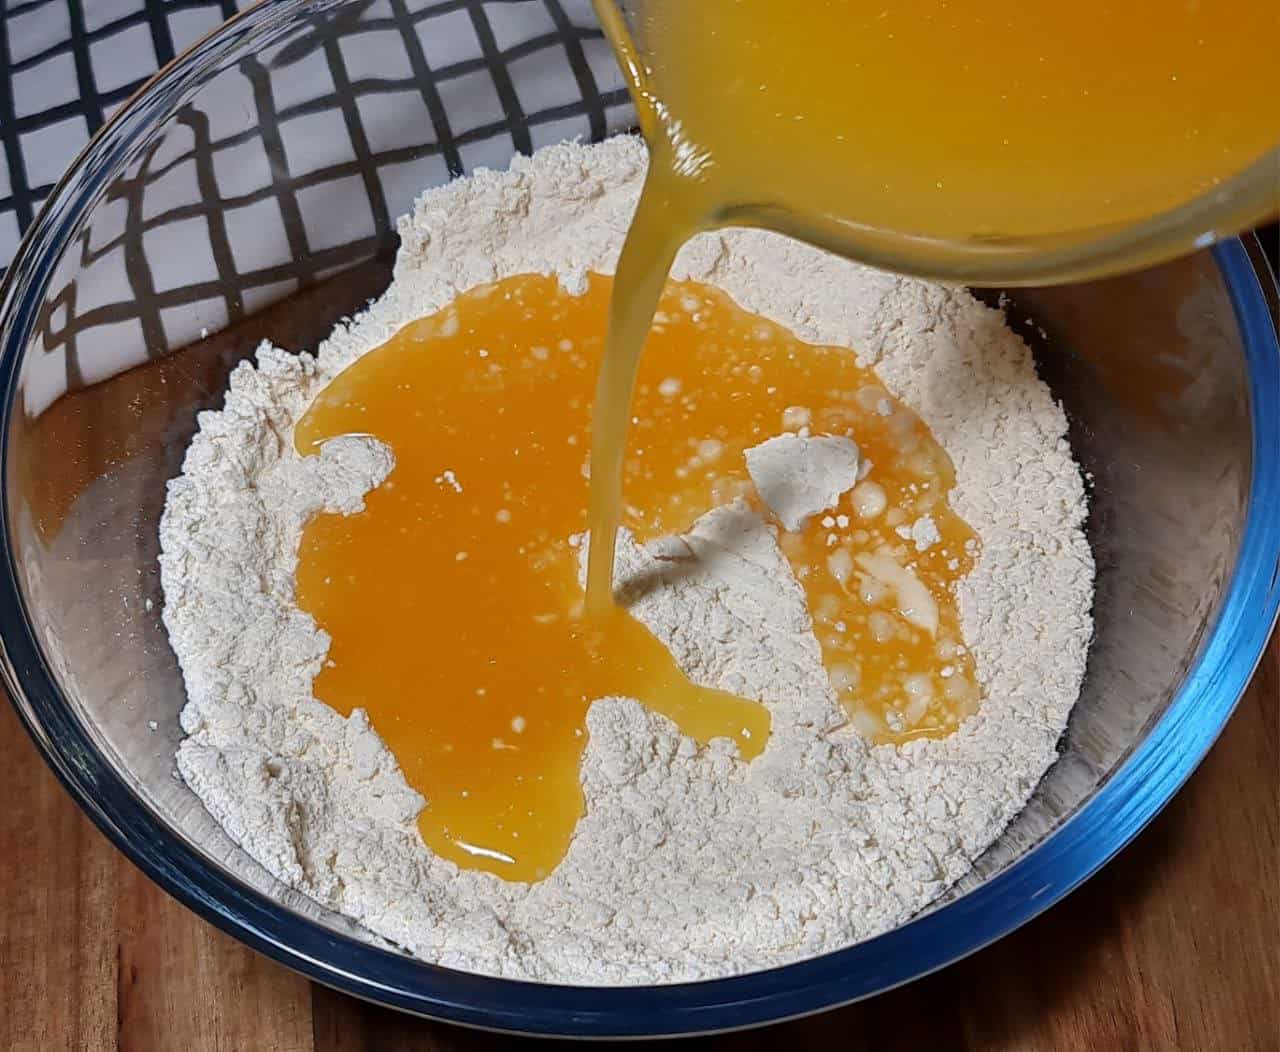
(688, 863)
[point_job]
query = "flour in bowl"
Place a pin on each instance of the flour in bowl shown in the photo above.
(688, 863)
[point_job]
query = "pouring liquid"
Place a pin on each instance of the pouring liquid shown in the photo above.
(916, 131)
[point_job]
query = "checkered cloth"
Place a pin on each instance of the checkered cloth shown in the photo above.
(65, 65)
(288, 166)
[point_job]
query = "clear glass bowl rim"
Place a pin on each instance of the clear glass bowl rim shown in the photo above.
(1117, 812)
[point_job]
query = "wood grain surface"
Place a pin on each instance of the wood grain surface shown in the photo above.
(1175, 945)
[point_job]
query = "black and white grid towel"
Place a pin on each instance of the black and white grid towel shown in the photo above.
(289, 165)
(65, 65)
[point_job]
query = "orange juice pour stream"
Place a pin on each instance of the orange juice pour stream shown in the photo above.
(453, 600)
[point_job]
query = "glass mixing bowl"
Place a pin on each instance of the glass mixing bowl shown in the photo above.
(248, 193)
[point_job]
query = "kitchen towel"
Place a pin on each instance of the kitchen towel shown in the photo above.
(285, 153)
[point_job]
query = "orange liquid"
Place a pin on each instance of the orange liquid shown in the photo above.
(453, 600)
(959, 119)
(918, 133)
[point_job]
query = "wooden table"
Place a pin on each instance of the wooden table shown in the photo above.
(1175, 945)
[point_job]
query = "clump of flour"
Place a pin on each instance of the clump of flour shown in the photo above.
(798, 476)
(688, 863)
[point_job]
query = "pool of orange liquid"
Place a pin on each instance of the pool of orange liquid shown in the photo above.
(453, 600)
